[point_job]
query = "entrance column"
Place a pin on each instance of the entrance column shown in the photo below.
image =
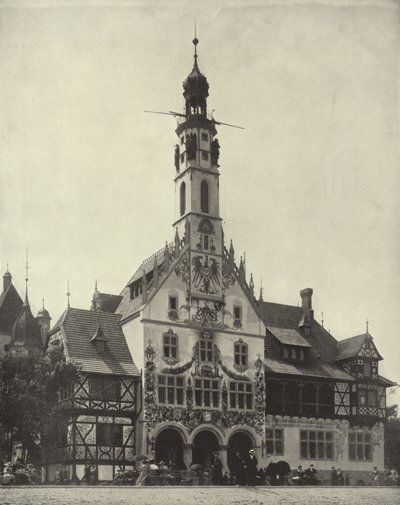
(187, 455)
(223, 456)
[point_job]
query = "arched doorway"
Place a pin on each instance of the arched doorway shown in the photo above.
(205, 443)
(169, 447)
(241, 442)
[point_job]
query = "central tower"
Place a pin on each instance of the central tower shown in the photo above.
(197, 188)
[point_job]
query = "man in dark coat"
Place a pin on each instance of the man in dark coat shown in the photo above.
(251, 468)
(237, 469)
(216, 471)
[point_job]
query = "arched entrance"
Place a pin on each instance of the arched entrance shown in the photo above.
(205, 443)
(169, 447)
(239, 442)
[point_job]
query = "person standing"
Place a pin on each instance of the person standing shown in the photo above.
(333, 476)
(375, 476)
(237, 469)
(216, 471)
(144, 472)
(251, 468)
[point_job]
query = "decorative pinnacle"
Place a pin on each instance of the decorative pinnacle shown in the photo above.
(322, 319)
(68, 294)
(366, 324)
(26, 276)
(195, 42)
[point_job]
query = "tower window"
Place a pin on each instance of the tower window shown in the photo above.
(182, 139)
(205, 242)
(204, 155)
(204, 197)
(204, 137)
(183, 198)
(182, 157)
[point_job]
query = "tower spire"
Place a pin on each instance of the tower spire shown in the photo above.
(68, 294)
(195, 42)
(26, 277)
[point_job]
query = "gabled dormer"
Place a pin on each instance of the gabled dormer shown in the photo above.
(292, 346)
(359, 356)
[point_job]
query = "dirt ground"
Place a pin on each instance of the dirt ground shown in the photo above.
(110, 495)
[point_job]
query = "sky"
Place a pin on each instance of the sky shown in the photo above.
(308, 190)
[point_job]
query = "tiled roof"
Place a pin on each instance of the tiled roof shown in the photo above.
(386, 382)
(129, 306)
(26, 331)
(109, 303)
(306, 368)
(10, 307)
(148, 265)
(288, 336)
(324, 345)
(80, 325)
(284, 321)
(350, 347)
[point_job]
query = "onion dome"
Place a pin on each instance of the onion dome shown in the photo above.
(195, 88)
(43, 313)
(7, 280)
(26, 331)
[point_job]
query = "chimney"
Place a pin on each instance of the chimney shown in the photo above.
(306, 303)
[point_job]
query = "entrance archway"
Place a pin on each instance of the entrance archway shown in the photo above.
(169, 447)
(205, 443)
(241, 442)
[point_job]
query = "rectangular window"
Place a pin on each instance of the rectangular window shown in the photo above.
(371, 398)
(170, 389)
(240, 353)
(360, 446)
(274, 441)
(206, 393)
(316, 444)
(173, 302)
(170, 345)
(205, 242)
(204, 155)
(182, 157)
(182, 139)
(241, 395)
(108, 434)
(237, 312)
(206, 350)
(101, 388)
(367, 369)
(204, 137)
(362, 397)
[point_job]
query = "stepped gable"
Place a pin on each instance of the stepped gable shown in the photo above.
(79, 326)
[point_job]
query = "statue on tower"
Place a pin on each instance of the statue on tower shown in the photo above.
(191, 146)
(215, 152)
(176, 157)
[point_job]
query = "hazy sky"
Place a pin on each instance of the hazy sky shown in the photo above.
(309, 189)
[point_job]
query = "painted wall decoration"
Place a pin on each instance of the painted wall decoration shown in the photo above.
(191, 417)
(206, 275)
(182, 270)
(228, 278)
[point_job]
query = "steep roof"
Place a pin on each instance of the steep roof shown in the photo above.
(288, 336)
(306, 368)
(283, 324)
(109, 303)
(322, 342)
(350, 347)
(79, 326)
(26, 331)
(10, 308)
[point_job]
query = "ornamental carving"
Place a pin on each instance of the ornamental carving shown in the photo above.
(191, 417)
(179, 369)
(232, 374)
(182, 270)
(206, 275)
(227, 277)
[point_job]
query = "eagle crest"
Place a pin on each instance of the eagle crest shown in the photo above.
(206, 275)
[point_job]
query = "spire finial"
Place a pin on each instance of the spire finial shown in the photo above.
(68, 294)
(195, 42)
(322, 319)
(366, 324)
(7, 268)
(43, 303)
(26, 276)
(95, 285)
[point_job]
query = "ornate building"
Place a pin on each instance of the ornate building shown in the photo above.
(20, 331)
(101, 409)
(222, 370)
